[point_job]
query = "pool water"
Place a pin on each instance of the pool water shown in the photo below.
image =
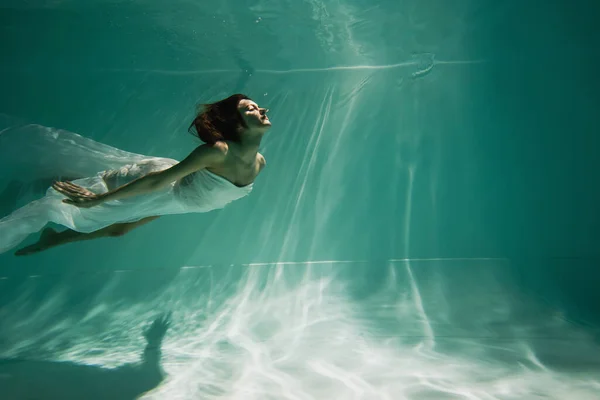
(426, 226)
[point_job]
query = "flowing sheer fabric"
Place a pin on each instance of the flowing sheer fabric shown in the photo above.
(33, 152)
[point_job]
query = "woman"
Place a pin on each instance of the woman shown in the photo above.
(132, 189)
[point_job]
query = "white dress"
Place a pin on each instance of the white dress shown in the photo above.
(32, 151)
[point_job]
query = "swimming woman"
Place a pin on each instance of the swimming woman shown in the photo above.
(132, 189)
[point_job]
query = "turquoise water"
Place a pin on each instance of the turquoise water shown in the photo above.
(426, 226)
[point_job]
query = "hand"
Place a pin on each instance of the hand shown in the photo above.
(156, 332)
(77, 195)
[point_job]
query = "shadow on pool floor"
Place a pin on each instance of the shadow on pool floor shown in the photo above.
(22, 379)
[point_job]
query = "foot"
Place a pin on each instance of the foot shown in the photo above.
(46, 241)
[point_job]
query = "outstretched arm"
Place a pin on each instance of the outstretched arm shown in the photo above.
(203, 157)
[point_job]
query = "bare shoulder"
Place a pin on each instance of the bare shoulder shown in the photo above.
(209, 155)
(221, 147)
(261, 160)
(217, 150)
(203, 156)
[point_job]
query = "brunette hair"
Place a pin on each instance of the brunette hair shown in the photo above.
(219, 121)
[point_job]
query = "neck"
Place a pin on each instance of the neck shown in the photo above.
(249, 145)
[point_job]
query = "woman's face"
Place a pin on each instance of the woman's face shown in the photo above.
(254, 116)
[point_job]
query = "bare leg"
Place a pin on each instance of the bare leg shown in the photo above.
(51, 238)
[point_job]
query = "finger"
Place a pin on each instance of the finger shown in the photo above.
(61, 188)
(74, 188)
(61, 183)
(66, 191)
(71, 184)
(57, 185)
(79, 189)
